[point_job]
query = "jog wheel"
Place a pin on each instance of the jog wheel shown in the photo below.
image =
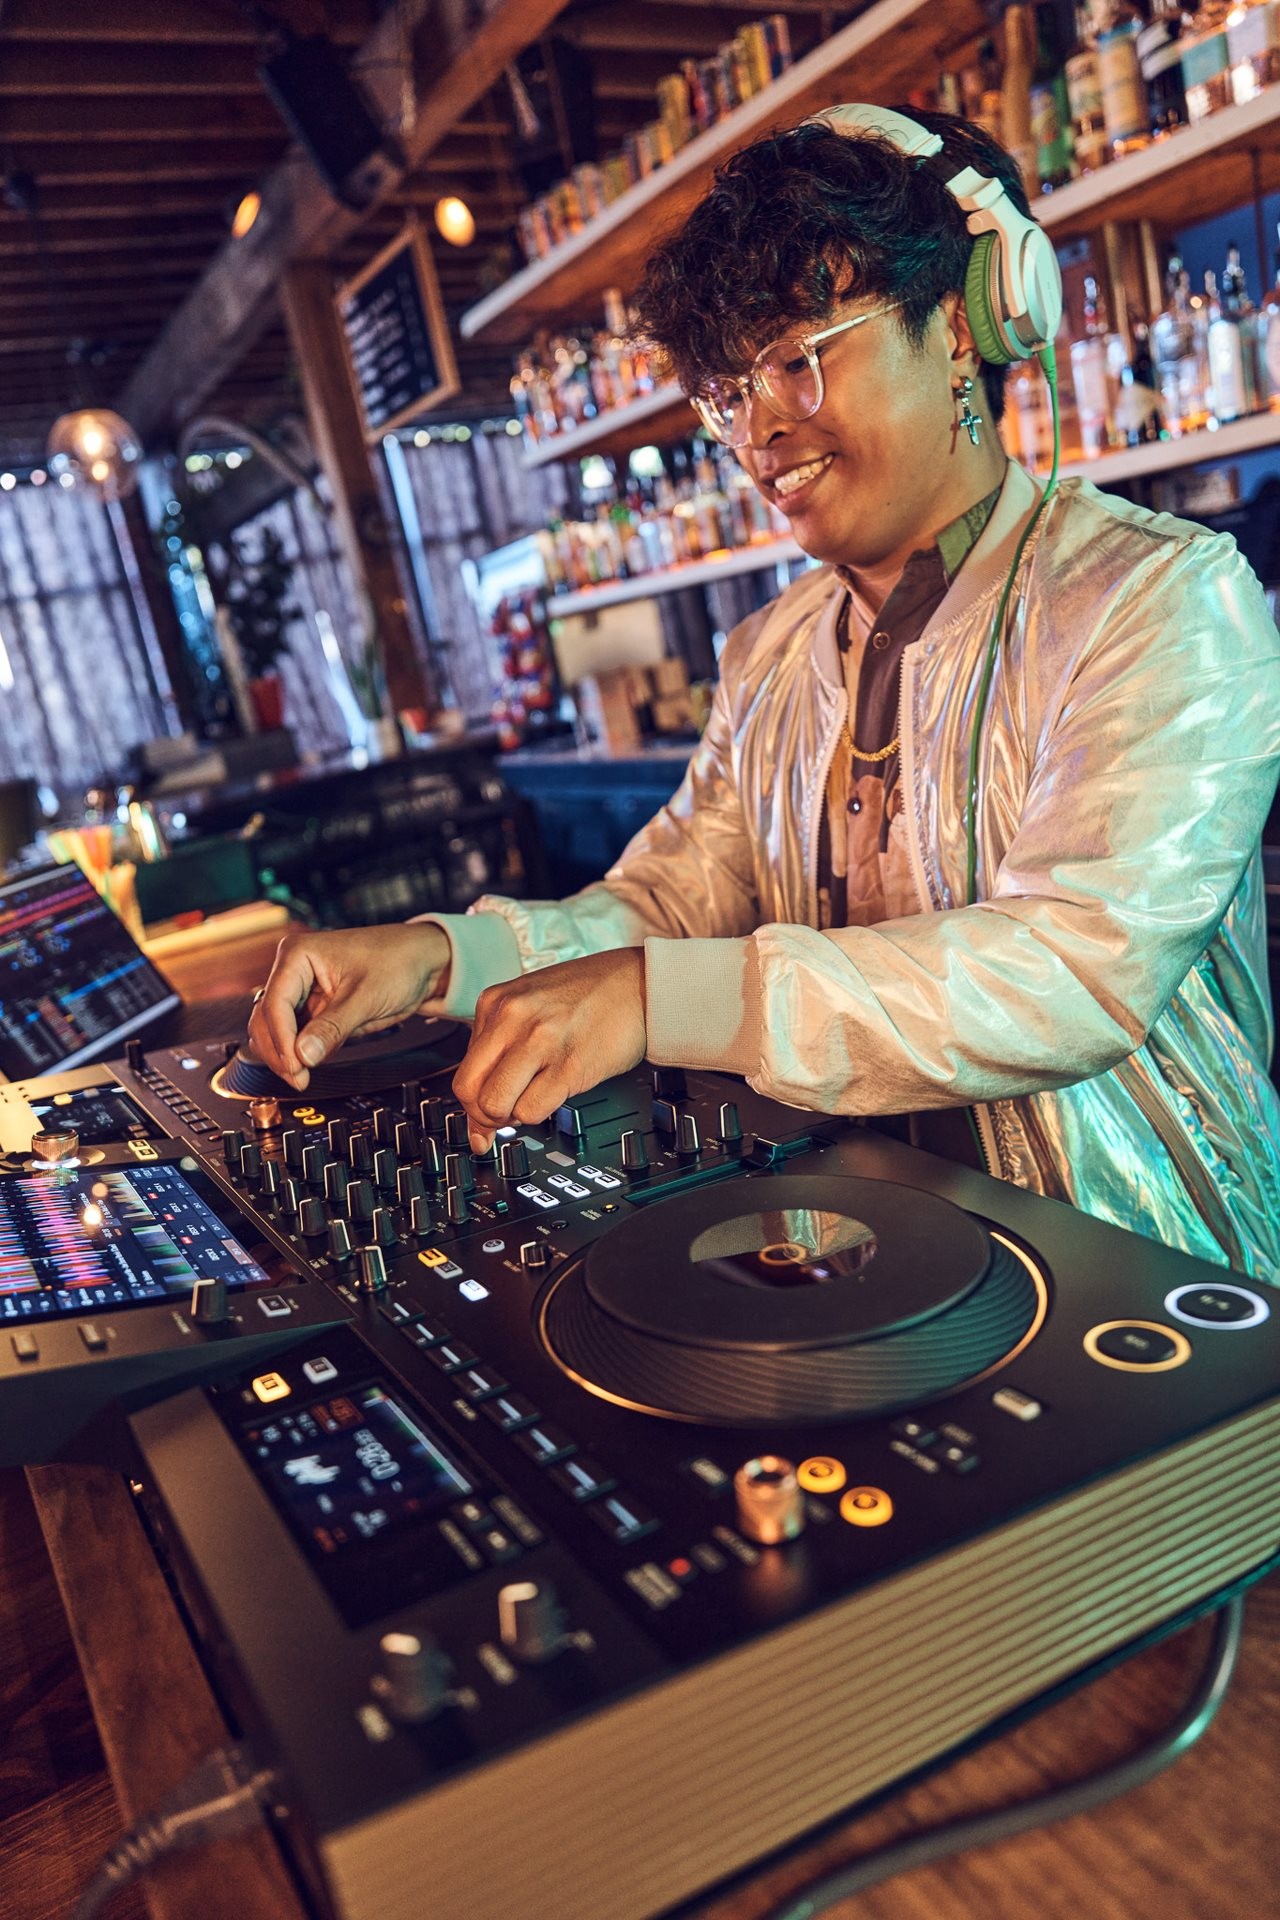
(791, 1298)
(368, 1065)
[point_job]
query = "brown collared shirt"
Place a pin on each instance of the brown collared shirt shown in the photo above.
(864, 873)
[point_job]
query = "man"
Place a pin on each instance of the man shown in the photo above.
(800, 912)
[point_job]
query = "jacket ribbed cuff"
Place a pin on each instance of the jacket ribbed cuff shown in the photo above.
(483, 952)
(702, 1000)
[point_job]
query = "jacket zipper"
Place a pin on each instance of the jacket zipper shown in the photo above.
(1201, 1193)
(827, 755)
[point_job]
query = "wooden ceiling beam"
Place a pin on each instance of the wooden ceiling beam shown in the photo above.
(188, 22)
(41, 68)
(680, 30)
(74, 118)
(66, 237)
(461, 48)
(72, 165)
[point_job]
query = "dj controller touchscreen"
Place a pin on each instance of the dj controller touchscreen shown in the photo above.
(688, 1466)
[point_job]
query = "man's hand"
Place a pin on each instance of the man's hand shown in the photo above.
(548, 1035)
(344, 983)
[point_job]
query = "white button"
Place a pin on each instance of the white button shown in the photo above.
(1020, 1405)
(318, 1371)
(472, 1290)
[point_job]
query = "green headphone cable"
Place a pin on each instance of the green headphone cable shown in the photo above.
(1048, 361)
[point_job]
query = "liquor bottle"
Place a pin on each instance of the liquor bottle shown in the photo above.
(1237, 306)
(1253, 47)
(711, 509)
(1160, 58)
(1050, 109)
(1084, 94)
(1267, 344)
(1029, 402)
(1228, 389)
(1206, 61)
(1089, 376)
(1138, 412)
(1015, 115)
(1124, 98)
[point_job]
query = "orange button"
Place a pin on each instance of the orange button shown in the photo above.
(821, 1474)
(269, 1386)
(866, 1507)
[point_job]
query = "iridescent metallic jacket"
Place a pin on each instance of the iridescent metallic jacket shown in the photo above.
(1104, 1007)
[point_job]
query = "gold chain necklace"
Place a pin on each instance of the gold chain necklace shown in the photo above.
(871, 759)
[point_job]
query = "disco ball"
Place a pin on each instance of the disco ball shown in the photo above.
(98, 446)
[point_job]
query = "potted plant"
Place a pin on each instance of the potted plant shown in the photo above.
(260, 611)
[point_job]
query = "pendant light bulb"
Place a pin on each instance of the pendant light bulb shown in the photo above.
(455, 221)
(95, 444)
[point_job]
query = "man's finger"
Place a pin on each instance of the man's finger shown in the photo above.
(273, 1024)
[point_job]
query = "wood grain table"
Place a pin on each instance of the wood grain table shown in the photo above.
(1201, 1842)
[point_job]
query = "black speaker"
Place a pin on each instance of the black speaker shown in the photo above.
(324, 109)
(553, 93)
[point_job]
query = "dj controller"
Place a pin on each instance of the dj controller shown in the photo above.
(576, 1524)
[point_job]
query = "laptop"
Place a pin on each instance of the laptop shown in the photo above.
(74, 983)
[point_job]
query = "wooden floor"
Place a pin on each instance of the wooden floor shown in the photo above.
(1202, 1842)
(1199, 1843)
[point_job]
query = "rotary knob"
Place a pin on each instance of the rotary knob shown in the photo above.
(459, 1172)
(209, 1304)
(420, 1216)
(359, 1200)
(431, 1113)
(410, 1095)
(457, 1210)
(265, 1114)
(432, 1163)
(413, 1683)
(407, 1143)
(339, 1135)
(635, 1155)
(232, 1141)
(688, 1140)
(291, 1148)
(531, 1622)
(290, 1195)
(336, 1182)
(455, 1128)
(360, 1153)
(534, 1257)
(133, 1055)
(250, 1160)
(55, 1146)
(371, 1270)
(513, 1161)
(384, 1169)
(315, 1159)
(384, 1126)
(730, 1124)
(340, 1247)
(770, 1503)
(410, 1186)
(384, 1227)
(269, 1179)
(312, 1218)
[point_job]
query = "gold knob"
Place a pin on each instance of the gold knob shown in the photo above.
(770, 1503)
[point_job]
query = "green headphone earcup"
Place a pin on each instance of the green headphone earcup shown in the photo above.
(983, 321)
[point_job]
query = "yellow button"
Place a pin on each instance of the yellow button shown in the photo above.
(269, 1386)
(866, 1507)
(821, 1474)
(434, 1257)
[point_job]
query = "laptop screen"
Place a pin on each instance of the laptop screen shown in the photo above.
(73, 982)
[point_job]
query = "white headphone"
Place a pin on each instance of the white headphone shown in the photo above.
(1013, 287)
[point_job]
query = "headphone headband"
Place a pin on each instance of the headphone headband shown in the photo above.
(1013, 290)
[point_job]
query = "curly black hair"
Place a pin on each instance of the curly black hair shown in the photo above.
(802, 218)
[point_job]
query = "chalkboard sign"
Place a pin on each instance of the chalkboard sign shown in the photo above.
(397, 339)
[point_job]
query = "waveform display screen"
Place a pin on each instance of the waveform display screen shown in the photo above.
(96, 1113)
(72, 980)
(353, 1467)
(82, 1239)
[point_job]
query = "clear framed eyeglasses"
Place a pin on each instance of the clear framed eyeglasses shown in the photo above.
(787, 374)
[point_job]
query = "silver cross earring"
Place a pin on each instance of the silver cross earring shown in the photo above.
(969, 420)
